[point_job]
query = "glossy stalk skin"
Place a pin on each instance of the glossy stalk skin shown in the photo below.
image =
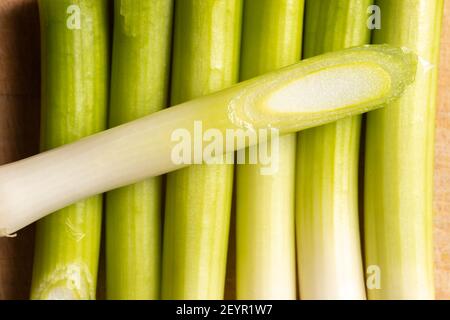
(329, 247)
(139, 86)
(399, 161)
(265, 229)
(198, 198)
(75, 76)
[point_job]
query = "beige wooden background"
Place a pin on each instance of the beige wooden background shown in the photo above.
(19, 135)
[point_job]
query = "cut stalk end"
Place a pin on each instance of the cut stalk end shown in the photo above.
(337, 84)
(68, 282)
(323, 90)
(61, 292)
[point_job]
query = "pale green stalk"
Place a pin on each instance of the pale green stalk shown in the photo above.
(139, 84)
(75, 64)
(311, 93)
(399, 162)
(328, 241)
(198, 198)
(265, 231)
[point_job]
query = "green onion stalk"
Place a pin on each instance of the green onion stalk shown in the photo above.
(139, 86)
(198, 198)
(398, 211)
(75, 80)
(328, 241)
(272, 39)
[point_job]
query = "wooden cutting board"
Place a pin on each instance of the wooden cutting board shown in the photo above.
(442, 167)
(19, 138)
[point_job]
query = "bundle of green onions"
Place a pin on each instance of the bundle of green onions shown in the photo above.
(173, 244)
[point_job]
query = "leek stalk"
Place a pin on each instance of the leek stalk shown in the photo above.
(139, 86)
(75, 71)
(265, 231)
(399, 162)
(329, 247)
(198, 198)
(310, 93)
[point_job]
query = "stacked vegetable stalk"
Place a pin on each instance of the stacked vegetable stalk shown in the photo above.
(272, 34)
(399, 161)
(329, 251)
(139, 85)
(198, 199)
(75, 70)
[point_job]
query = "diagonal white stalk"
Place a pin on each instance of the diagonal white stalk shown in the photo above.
(34, 187)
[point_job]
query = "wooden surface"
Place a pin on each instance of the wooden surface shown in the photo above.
(19, 136)
(442, 167)
(19, 125)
